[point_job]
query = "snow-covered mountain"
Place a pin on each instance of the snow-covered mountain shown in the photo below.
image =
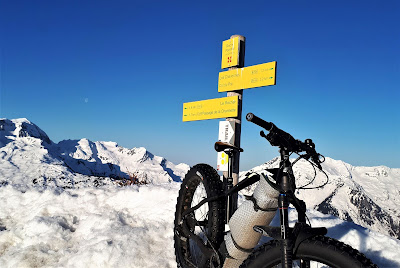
(367, 196)
(29, 158)
(51, 216)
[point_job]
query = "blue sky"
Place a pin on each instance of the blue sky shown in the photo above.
(121, 70)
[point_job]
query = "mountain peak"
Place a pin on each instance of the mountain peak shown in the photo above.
(367, 196)
(19, 128)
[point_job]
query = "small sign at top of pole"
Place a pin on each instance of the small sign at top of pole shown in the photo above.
(230, 53)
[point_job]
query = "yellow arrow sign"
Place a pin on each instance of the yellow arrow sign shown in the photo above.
(248, 77)
(210, 109)
(230, 53)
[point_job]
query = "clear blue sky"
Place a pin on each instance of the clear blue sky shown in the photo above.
(121, 70)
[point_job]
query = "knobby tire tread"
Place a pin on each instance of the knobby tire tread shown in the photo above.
(216, 214)
(327, 246)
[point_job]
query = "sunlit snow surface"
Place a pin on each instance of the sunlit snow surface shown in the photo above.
(92, 227)
(124, 227)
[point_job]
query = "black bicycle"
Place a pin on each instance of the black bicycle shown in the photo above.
(204, 207)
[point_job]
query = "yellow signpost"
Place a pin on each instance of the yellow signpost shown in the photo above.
(210, 109)
(230, 53)
(248, 77)
(230, 107)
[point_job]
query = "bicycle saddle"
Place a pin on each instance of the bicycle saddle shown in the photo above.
(222, 146)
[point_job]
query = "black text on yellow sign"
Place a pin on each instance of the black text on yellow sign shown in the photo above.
(230, 53)
(210, 109)
(248, 77)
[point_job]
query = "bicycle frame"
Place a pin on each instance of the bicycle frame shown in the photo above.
(264, 199)
(290, 238)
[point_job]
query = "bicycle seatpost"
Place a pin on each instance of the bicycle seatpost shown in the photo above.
(229, 185)
(230, 150)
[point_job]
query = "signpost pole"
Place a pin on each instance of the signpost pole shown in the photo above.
(233, 82)
(237, 122)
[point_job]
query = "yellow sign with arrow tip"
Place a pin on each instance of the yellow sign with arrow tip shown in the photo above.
(210, 109)
(248, 77)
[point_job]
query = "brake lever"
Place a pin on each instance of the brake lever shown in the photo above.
(262, 134)
(315, 159)
(318, 164)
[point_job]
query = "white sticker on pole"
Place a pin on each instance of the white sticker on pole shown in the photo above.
(222, 164)
(226, 134)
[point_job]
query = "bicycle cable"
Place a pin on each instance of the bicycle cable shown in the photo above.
(207, 239)
(308, 219)
(316, 187)
(315, 173)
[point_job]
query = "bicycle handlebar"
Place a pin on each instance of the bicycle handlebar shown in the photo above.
(278, 137)
(258, 121)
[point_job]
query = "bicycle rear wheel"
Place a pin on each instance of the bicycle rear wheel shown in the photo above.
(318, 251)
(207, 222)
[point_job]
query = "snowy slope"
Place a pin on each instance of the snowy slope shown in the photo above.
(88, 227)
(124, 227)
(368, 196)
(29, 158)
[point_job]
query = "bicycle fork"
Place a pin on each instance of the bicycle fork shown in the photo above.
(283, 205)
(286, 242)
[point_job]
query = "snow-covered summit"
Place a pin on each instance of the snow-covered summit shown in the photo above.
(368, 196)
(18, 128)
(29, 158)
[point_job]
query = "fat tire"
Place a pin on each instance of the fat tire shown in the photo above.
(319, 248)
(208, 176)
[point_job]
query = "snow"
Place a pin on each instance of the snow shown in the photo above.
(52, 215)
(368, 196)
(91, 227)
(381, 249)
(124, 227)
(29, 157)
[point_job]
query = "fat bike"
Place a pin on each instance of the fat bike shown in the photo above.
(204, 207)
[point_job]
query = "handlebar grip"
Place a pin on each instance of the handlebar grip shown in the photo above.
(258, 121)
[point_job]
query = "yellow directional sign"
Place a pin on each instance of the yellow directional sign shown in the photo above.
(210, 109)
(230, 53)
(248, 77)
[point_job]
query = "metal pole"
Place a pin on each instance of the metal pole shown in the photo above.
(237, 121)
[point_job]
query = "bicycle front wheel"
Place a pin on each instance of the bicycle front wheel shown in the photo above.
(207, 222)
(318, 251)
